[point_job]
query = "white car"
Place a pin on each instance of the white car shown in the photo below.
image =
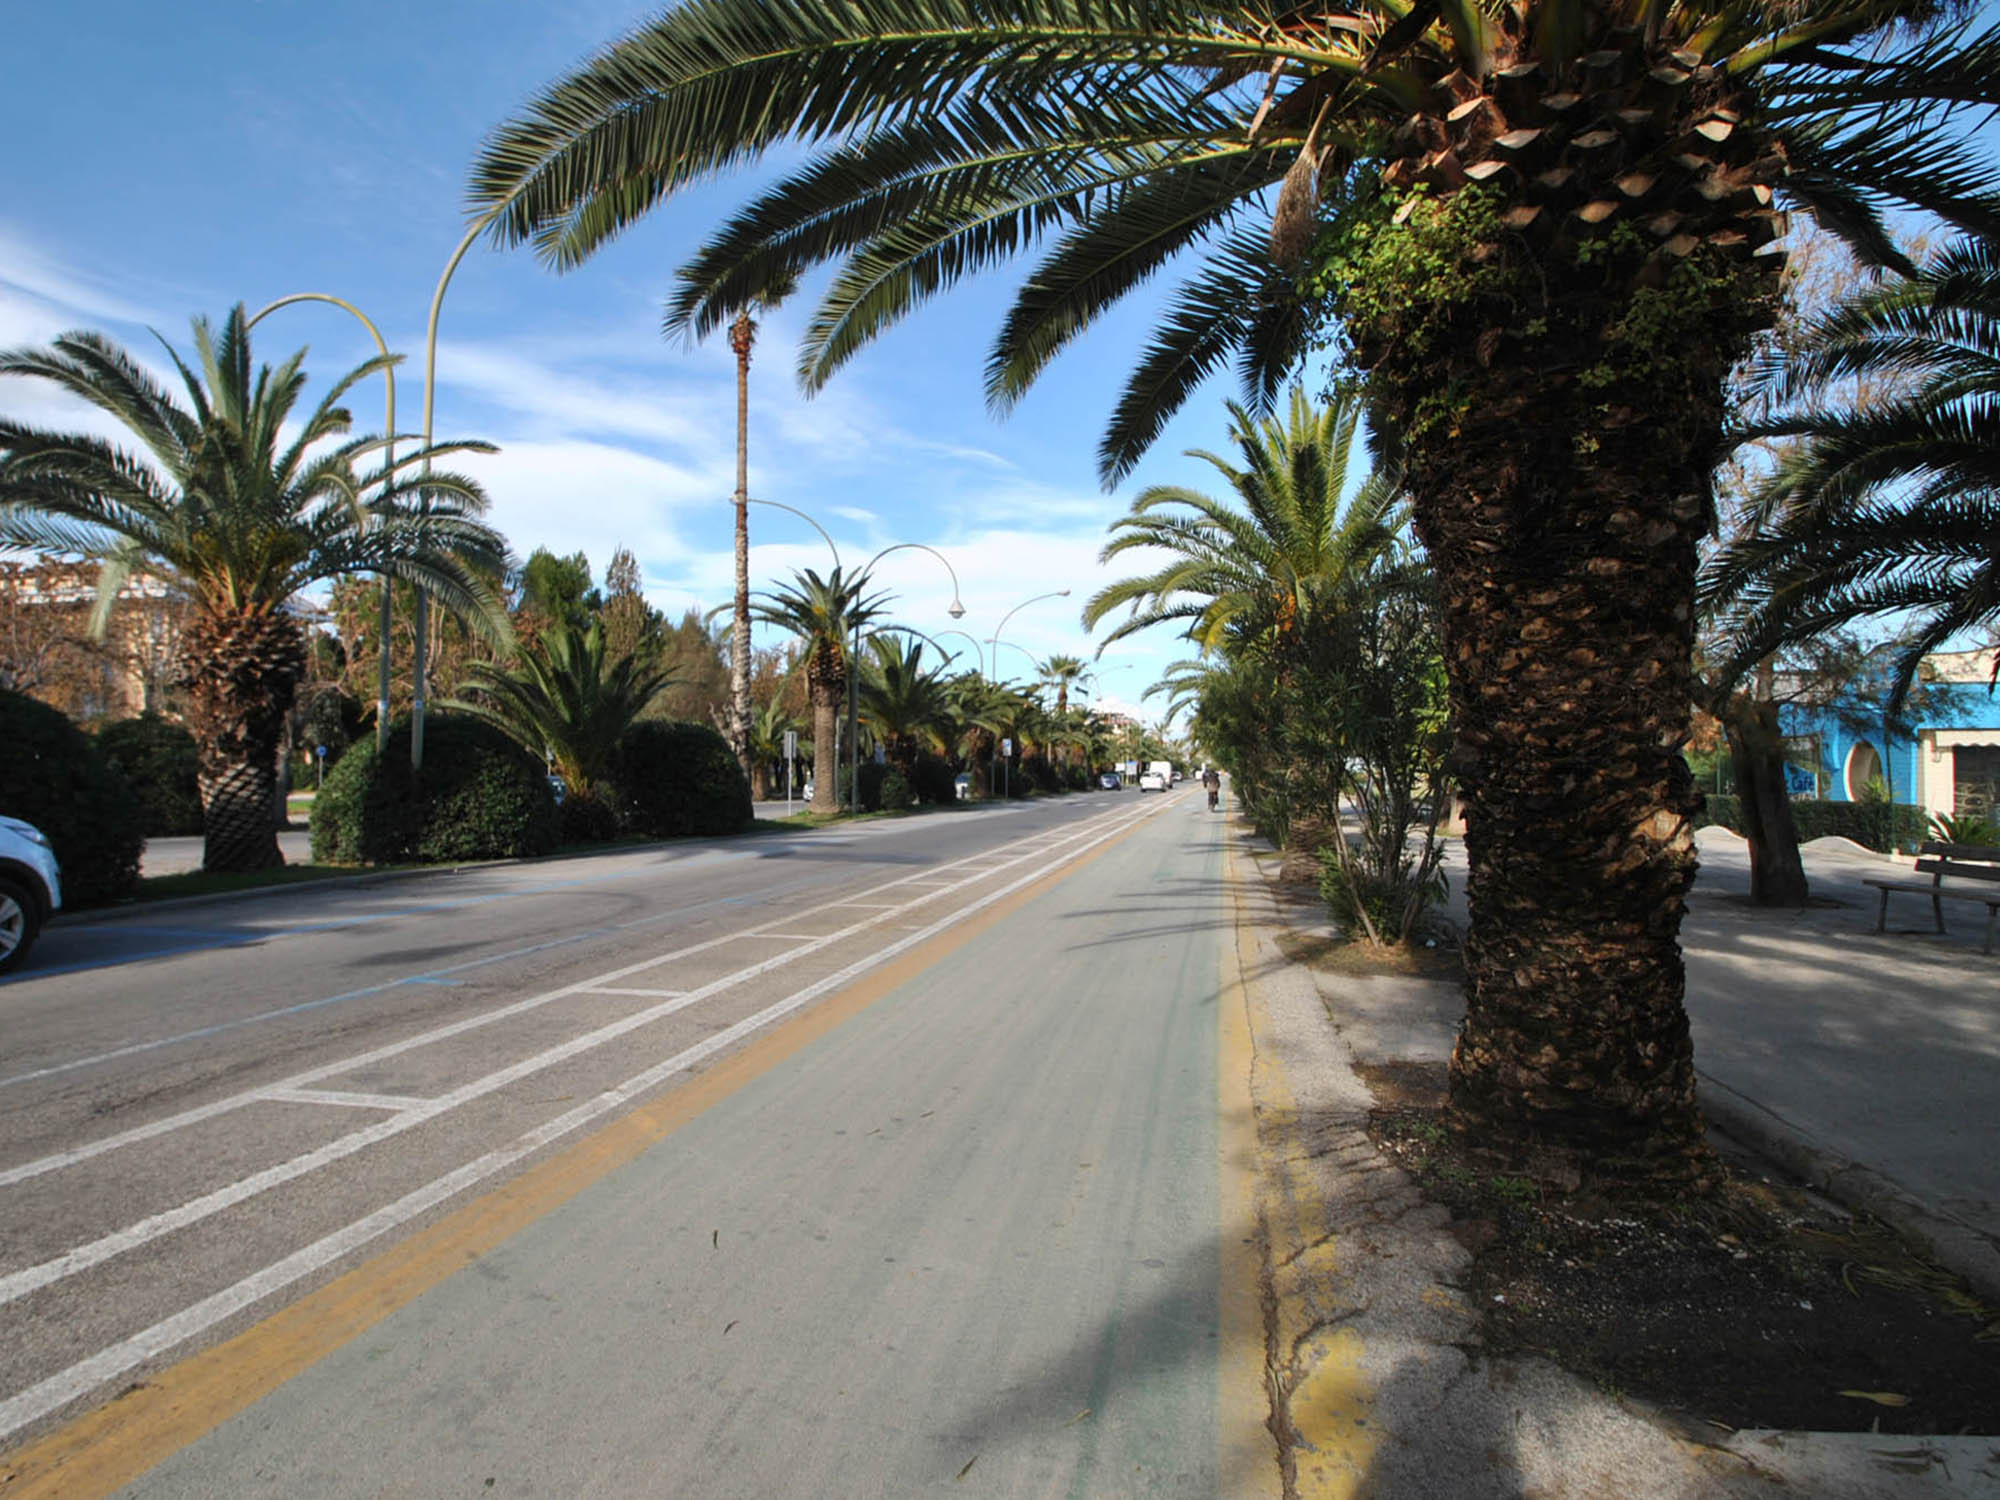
(30, 888)
(1152, 781)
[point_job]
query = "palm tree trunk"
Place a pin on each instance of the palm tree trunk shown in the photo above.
(1757, 755)
(241, 671)
(826, 763)
(742, 334)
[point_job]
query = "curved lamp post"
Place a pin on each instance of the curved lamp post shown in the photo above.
(794, 510)
(389, 465)
(994, 644)
(978, 651)
(956, 611)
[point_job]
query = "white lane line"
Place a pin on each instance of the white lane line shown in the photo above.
(797, 937)
(167, 1124)
(109, 1364)
(18, 1284)
(394, 1103)
(607, 989)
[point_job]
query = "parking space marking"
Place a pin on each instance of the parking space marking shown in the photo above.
(29, 1279)
(611, 989)
(120, 1358)
(393, 1103)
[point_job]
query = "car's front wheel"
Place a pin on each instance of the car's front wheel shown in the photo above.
(20, 921)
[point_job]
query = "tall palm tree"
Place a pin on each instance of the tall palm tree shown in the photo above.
(1253, 565)
(565, 696)
(904, 704)
(1879, 508)
(742, 336)
(1061, 673)
(1535, 225)
(823, 613)
(768, 729)
(238, 513)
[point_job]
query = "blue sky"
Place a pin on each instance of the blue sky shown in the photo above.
(173, 160)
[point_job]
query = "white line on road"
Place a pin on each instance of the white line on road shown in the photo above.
(394, 1103)
(109, 1364)
(29, 1279)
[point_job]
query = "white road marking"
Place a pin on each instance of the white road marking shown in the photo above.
(109, 1364)
(607, 989)
(394, 1103)
(29, 1279)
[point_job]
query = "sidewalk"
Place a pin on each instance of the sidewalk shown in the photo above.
(1866, 1062)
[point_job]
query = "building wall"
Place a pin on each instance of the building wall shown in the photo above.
(1918, 767)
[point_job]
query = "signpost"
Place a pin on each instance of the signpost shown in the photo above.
(791, 754)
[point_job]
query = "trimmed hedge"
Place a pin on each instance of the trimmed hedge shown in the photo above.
(873, 774)
(479, 796)
(587, 818)
(53, 775)
(675, 779)
(935, 780)
(896, 794)
(159, 758)
(1880, 826)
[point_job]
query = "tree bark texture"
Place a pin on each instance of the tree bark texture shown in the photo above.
(1757, 754)
(826, 683)
(742, 334)
(1548, 327)
(241, 671)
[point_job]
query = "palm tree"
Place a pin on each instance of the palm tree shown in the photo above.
(1535, 227)
(566, 697)
(742, 335)
(768, 728)
(822, 613)
(1254, 566)
(1878, 508)
(1060, 673)
(239, 515)
(905, 705)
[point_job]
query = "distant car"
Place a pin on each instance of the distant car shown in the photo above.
(30, 888)
(1110, 781)
(961, 785)
(558, 788)
(1153, 781)
(808, 792)
(1176, 776)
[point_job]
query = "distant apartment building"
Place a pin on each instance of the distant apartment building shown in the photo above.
(47, 652)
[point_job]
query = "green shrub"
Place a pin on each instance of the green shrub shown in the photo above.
(873, 774)
(54, 776)
(896, 794)
(479, 796)
(674, 779)
(1966, 828)
(935, 780)
(1040, 774)
(587, 818)
(1881, 826)
(159, 758)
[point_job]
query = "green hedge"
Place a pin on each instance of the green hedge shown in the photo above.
(479, 796)
(54, 776)
(935, 780)
(873, 774)
(675, 779)
(158, 757)
(1880, 826)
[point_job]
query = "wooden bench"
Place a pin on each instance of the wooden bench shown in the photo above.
(1960, 861)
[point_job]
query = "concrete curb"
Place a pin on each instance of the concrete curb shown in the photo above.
(1954, 1245)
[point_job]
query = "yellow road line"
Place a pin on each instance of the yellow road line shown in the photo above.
(111, 1446)
(1315, 1369)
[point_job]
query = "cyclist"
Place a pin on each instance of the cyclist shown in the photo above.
(1213, 782)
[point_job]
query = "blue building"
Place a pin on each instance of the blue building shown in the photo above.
(1948, 761)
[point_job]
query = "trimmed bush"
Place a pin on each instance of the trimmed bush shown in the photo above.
(896, 794)
(935, 780)
(158, 757)
(873, 774)
(479, 796)
(587, 818)
(675, 779)
(53, 775)
(1881, 826)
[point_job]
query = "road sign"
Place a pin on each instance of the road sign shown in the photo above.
(791, 744)
(1006, 747)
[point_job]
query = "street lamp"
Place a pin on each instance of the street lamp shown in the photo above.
(956, 611)
(388, 465)
(978, 651)
(994, 643)
(794, 510)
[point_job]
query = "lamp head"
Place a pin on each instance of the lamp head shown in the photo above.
(957, 610)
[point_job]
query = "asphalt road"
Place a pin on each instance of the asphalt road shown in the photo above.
(969, 1234)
